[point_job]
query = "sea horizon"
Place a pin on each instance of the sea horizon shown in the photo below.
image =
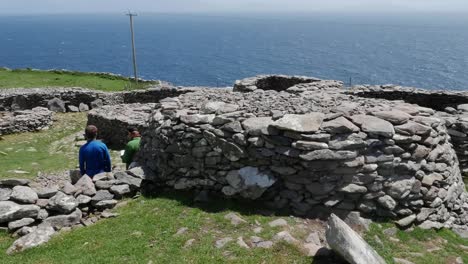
(209, 49)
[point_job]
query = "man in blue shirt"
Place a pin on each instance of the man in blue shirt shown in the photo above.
(94, 155)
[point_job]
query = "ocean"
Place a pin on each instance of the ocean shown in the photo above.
(427, 51)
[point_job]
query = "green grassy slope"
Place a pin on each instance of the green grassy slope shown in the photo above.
(26, 78)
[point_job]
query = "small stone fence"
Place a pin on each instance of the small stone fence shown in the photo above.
(79, 99)
(36, 119)
(34, 213)
(383, 158)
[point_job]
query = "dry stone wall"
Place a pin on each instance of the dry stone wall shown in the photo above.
(22, 99)
(36, 119)
(452, 106)
(113, 121)
(313, 152)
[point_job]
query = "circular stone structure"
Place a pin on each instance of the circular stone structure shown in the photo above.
(314, 151)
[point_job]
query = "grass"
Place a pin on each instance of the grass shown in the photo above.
(27, 78)
(145, 231)
(45, 151)
(416, 245)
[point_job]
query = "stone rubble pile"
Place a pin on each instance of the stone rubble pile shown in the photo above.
(34, 213)
(36, 119)
(314, 153)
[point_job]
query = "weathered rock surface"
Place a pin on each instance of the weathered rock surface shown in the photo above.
(37, 237)
(348, 244)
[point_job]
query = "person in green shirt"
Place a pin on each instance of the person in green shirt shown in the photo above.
(132, 146)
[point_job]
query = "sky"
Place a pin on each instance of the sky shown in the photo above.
(230, 6)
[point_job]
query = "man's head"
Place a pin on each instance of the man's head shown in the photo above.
(91, 132)
(133, 132)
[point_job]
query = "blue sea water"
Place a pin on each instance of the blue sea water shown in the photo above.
(429, 51)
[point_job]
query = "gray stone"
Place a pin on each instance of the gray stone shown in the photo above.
(37, 237)
(339, 125)
(374, 125)
(197, 119)
(24, 194)
(353, 188)
(235, 219)
(104, 184)
(402, 261)
(257, 126)
(75, 175)
(463, 107)
(241, 243)
(387, 202)
(120, 190)
(96, 103)
(405, 222)
(313, 238)
(326, 154)
(101, 195)
(62, 203)
(106, 204)
(20, 223)
(309, 145)
(249, 182)
(56, 105)
(14, 182)
(462, 231)
(308, 123)
(83, 107)
(141, 172)
(348, 244)
(431, 225)
(278, 222)
(218, 108)
(5, 194)
(429, 180)
(413, 128)
(46, 192)
(10, 211)
(68, 188)
(230, 150)
(286, 237)
(83, 199)
(105, 176)
(124, 178)
(85, 186)
(61, 221)
(222, 242)
(395, 117)
(401, 187)
(73, 109)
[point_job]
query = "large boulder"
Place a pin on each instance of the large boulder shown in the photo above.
(61, 221)
(124, 178)
(257, 126)
(62, 203)
(11, 211)
(24, 194)
(56, 105)
(348, 244)
(38, 236)
(85, 186)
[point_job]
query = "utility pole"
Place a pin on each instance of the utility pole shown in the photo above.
(131, 15)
